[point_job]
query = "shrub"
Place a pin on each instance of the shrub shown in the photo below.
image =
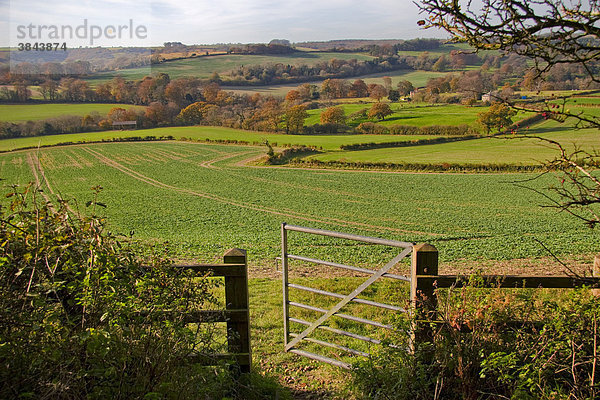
(479, 352)
(80, 317)
(326, 128)
(372, 128)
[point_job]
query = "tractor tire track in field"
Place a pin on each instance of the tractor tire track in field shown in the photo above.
(153, 182)
(33, 163)
(210, 163)
(38, 170)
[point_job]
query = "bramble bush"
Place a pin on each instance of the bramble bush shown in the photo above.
(84, 314)
(479, 351)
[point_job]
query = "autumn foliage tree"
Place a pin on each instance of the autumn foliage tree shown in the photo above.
(377, 91)
(293, 118)
(380, 111)
(498, 116)
(195, 113)
(333, 115)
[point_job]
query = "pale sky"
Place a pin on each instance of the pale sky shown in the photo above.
(208, 22)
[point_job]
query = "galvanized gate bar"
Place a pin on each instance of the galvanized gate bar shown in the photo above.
(344, 316)
(358, 238)
(349, 267)
(319, 357)
(284, 270)
(341, 296)
(356, 291)
(335, 346)
(338, 331)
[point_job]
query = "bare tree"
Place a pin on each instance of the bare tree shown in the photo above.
(551, 33)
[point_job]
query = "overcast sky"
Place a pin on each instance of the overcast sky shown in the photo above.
(216, 21)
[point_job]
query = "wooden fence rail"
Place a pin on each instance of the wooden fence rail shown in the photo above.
(236, 313)
(425, 280)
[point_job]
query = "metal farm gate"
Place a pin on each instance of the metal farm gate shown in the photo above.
(424, 261)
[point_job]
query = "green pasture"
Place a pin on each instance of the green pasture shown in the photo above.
(415, 114)
(492, 150)
(204, 133)
(35, 112)
(202, 200)
(204, 67)
(417, 78)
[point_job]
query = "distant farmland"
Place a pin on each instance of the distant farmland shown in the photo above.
(204, 67)
(35, 112)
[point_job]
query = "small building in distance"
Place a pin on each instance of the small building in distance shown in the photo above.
(124, 125)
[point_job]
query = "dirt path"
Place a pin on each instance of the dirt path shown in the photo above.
(328, 221)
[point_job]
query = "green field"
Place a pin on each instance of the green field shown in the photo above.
(35, 112)
(202, 200)
(204, 67)
(416, 114)
(417, 78)
(494, 150)
(203, 133)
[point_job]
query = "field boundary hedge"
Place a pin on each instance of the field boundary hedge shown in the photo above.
(417, 167)
(288, 155)
(418, 142)
(431, 130)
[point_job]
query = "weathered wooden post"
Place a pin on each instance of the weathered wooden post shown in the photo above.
(422, 294)
(596, 273)
(236, 298)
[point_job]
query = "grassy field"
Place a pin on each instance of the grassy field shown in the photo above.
(417, 78)
(203, 133)
(200, 199)
(495, 150)
(416, 114)
(203, 67)
(34, 112)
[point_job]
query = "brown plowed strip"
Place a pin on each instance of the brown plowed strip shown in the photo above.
(154, 182)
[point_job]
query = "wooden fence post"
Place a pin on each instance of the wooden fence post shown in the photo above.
(236, 298)
(422, 295)
(596, 273)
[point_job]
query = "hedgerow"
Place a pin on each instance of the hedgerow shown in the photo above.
(84, 314)
(418, 167)
(494, 344)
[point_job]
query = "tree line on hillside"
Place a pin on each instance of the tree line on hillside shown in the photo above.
(186, 102)
(274, 73)
(271, 73)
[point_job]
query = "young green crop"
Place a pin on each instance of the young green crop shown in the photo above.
(202, 200)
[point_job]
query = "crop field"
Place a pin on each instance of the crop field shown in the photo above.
(204, 67)
(202, 200)
(35, 112)
(204, 133)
